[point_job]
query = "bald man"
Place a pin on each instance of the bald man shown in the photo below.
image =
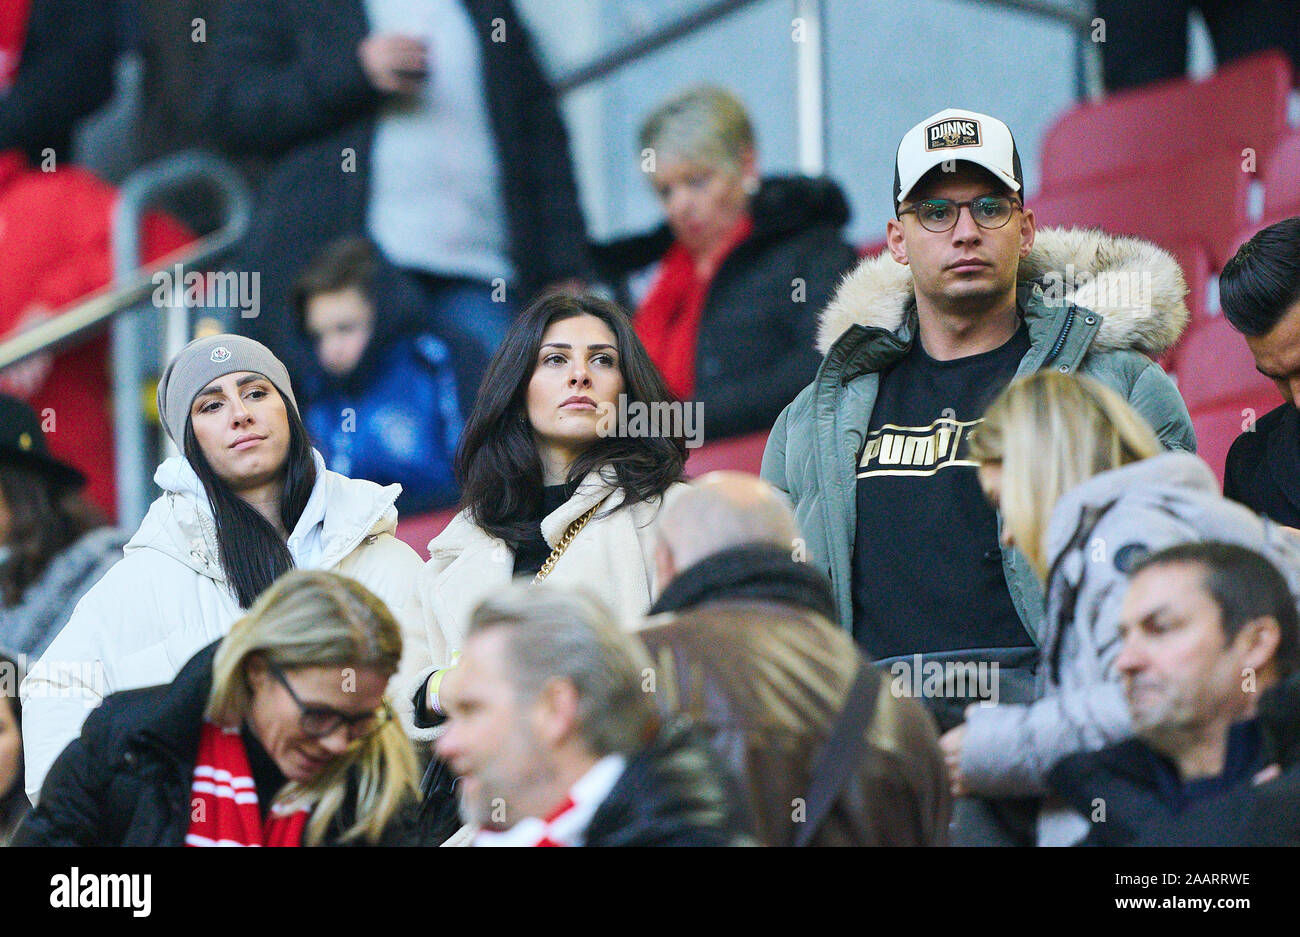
(744, 642)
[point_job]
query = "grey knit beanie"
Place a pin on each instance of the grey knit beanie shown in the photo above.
(203, 361)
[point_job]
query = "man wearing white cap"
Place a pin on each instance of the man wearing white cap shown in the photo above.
(969, 294)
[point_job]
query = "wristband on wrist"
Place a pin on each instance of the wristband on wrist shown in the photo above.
(431, 700)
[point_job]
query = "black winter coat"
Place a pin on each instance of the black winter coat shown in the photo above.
(757, 340)
(1140, 791)
(126, 781)
(1263, 467)
(672, 793)
(64, 74)
(286, 83)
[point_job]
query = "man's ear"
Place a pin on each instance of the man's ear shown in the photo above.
(556, 710)
(748, 163)
(1258, 641)
(1028, 231)
(895, 240)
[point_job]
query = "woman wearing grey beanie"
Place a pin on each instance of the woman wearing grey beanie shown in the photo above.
(247, 500)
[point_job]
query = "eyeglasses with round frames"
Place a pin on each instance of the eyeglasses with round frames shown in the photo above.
(321, 721)
(940, 214)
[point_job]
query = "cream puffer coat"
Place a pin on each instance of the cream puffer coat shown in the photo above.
(613, 558)
(167, 599)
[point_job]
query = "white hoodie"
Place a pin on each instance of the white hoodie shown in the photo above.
(167, 599)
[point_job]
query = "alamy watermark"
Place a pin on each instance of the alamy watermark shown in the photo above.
(54, 678)
(1105, 289)
(947, 679)
(213, 289)
(662, 419)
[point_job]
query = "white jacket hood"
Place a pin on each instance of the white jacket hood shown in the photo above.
(340, 512)
(1136, 287)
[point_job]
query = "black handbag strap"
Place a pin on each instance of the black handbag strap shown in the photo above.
(842, 752)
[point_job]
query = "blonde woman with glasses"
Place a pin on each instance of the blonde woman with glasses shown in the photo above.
(1085, 490)
(278, 735)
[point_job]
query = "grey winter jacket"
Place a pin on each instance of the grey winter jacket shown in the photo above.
(1077, 321)
(1097, 532)
(28, 627)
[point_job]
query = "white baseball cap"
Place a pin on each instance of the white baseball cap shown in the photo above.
(955, 134)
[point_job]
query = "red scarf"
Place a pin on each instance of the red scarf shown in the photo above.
(223, 800)
(668, 322)
(13, 33)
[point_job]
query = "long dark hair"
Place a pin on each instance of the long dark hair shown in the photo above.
(46, 519)
(497, 464)
(13, 802)
(252, 554)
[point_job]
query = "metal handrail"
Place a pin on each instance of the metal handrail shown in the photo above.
(92, 312)
(132, 284)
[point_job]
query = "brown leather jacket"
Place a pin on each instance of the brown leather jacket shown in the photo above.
(764, 676)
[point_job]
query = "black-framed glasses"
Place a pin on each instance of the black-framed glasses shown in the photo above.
(940, 214)
(320, 721)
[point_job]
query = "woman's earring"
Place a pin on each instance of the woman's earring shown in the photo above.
(750, 185)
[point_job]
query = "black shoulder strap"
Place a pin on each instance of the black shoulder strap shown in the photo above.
(842, 752)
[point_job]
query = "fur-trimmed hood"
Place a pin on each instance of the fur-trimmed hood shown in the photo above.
(1135, 286)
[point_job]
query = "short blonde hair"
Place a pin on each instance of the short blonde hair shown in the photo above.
(704, 122)
(1051, 432)
(312, 618)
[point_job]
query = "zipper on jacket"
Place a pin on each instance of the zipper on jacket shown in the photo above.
(1059, 344)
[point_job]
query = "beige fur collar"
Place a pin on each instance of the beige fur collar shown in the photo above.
(1140, 295)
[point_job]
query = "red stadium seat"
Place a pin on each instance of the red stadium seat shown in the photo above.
(1215, 367)
(1195, 263)
(418, 530)
(742, 454)
(1218, 426)
(872, 249)
(1241, 105)
(1201, 199)
(1281, 178)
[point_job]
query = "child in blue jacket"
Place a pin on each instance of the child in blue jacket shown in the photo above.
(390, 406)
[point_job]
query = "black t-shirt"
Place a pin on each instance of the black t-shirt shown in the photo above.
(927, 569)
(532, 553)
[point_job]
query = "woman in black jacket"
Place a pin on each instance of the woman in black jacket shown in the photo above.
(277, 735)
(745, 266)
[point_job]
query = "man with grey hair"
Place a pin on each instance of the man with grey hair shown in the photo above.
(556, 740)
(744, 640)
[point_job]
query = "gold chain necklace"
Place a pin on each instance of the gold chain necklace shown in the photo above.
(563, 545)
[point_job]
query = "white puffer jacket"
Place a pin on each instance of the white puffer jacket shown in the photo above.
(167, 599)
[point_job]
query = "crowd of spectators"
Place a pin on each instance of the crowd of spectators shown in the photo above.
(983, 585)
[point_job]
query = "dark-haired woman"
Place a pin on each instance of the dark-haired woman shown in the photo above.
(53, 545)
(247, 501)
(554, 484)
